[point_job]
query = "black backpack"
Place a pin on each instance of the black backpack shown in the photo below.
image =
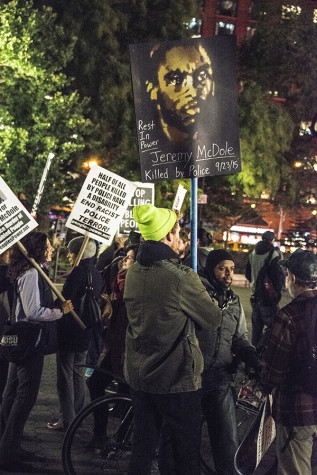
(89, 310)
(265, 292)
(306, 370)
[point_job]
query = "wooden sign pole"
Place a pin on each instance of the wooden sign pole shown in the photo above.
(50, 283)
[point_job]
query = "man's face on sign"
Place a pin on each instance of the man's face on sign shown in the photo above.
(184, 83)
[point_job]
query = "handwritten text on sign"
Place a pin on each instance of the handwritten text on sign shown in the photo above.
(101, 204)
(15, 220)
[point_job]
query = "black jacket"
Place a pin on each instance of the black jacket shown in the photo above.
(71, 337)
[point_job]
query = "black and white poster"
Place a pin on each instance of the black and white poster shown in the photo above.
(185, 95)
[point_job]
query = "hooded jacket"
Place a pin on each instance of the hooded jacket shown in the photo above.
(256, 262)
(230, 340)
(71, 338)
(164, 301)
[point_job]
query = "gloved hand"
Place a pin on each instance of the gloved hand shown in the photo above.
(253, 363)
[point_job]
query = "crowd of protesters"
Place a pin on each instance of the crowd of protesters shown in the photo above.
(175, 336)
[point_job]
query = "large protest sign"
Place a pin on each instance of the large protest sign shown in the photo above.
(15, 220)
(101, 204)
(185, 95)
(144, 194)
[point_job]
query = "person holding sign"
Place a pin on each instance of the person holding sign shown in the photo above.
(34, 301)
(165, 301)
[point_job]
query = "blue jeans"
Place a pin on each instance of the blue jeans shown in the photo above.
(219, 410)
(71, 384)
(262, 321)
(19, 397)
(178, 417)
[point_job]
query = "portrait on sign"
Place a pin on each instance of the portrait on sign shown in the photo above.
(186, 108)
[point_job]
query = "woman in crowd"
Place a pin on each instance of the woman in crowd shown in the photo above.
(6, 295)
(73, 342)
(33, 300)
(112, 357)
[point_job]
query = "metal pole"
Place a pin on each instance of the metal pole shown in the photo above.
(42, 183)
(193, 221)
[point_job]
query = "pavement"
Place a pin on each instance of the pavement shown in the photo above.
(47, 444)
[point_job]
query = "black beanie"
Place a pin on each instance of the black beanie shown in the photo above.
(214, 257)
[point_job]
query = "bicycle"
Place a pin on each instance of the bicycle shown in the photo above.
(113, 457)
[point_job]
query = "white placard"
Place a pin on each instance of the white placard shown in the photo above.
(144, 194)
(179, 198)
(101, 204)
(15, 220)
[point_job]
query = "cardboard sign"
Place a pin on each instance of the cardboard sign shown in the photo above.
(185, 96)
(267, 430)
(15, 220)
(144, 194)
(179, 198)
(101, 204)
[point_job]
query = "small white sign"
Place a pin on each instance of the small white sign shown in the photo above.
(179, 198)
(15, 220)
(101, 204)
(144, 194)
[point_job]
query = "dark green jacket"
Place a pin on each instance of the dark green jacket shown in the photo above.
(165, 300)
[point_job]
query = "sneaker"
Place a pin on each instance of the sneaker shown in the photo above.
(58, 426)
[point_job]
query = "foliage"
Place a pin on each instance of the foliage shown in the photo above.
(282, 55)
(281, 60)
(37, 113)
(266, 133)
(101, 65)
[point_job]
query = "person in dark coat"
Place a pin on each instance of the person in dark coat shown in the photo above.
(263, 314)
(73, 342)
(112, 357)
(6, 296)
(33, 301)
(220, 350)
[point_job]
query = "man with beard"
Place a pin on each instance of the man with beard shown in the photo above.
(231, 346)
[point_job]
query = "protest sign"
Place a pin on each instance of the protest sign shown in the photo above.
(15, 220)
(101, 204)
(185, 96)
(179, 198)
(144, 194)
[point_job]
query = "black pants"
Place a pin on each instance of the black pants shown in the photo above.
(176, 418)
(19, 397)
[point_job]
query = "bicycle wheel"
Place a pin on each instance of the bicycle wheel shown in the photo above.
(113, 455)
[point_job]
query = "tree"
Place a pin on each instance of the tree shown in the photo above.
(266, 133)
(101, 65)
(281, 60)
(39, 113)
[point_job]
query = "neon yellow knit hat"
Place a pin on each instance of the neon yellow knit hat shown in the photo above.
(154, 223)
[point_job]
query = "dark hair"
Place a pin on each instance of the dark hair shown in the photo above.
(36, 245)
(158, 54)
(132, 247)
(205, 238)
(306, 284)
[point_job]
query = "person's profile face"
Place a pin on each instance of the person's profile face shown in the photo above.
(184, 81)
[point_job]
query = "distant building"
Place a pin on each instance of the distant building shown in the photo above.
(237, 17)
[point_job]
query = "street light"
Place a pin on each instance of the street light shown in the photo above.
(90, 163)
